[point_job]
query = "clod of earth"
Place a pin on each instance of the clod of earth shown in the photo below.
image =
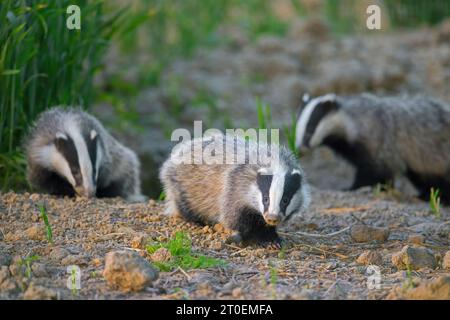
(446, 261)
(369, 257)
(416, 239)
(438, 289)
(38, 292)
(414, 258)
(35, 232)
(7, 283)
(364, 233)
(128, 271)
(161, 255)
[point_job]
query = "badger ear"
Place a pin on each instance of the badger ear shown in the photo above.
(264, 171)
(93, 134)
(305, 98)
(60, 135)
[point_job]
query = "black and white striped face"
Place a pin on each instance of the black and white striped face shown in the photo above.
(282, 195)
(77, 158)
(308, 123)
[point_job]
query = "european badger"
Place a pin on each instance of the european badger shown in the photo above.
(69, 152)
(382, 137)
(249, 197)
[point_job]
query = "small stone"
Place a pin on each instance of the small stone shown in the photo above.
(364, 233)
(438, 289)
(5, 259)
(128, 271)
(36, 232)
(35, 197)
(7, 284)
(446, 261)
(58, 253)
(236, 293)
(161, 255)
(97, 262)
(38, 292)
(414, 258)
(138, 242)
(79, 260)
(369, 257)
(216, 245)
(39, 269)
(219, 228)
(416, 239)
(151, 202)
(205, 229)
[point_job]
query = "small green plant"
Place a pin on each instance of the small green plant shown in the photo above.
(162, 196)
(289, 133)
(273, 278)
(44, 217)
(409, 283)
(435, 202)
(27, 262)
(180, 248)
(73, 279)
(264, 116)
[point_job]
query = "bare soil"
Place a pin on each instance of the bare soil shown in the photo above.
(309, 267)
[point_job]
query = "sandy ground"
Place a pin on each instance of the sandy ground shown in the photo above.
(309, 267)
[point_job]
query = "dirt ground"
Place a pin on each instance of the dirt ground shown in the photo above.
(309, 267)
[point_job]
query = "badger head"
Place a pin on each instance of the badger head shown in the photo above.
(76, 156)
(315, 121)
(281, 194)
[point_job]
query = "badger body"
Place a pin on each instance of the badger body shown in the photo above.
(383, 137)
(249, 197)
(70, 153)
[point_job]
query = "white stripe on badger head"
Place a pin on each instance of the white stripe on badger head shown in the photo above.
(276, 192)
(52, 159)
(83, 156)
(98, 160)
(306, 115)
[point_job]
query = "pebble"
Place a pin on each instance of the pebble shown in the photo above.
(36, 232)
(79, 260)
(7, 283)
(38, 292)
(58, 253)
(446, 261)
(416, 239)
(364, 233)
(128, 271)
(161, 255)
(138, 242)
(39, 269)
(5, 259)
(236, 293)
(414, 258)
(438, 289)
(370, 257)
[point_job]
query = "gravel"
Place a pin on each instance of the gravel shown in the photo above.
(86, 230)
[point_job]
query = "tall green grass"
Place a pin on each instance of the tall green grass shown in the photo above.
(42, 64)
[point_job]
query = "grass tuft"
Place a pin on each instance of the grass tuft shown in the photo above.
(435, 202)
(44, 216)
(180, 248)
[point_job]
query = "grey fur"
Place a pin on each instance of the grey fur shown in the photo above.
(118, 171)
(225, 193)
(405, 135)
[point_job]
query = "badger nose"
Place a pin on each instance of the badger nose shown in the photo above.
(272, 219)
(85, 193)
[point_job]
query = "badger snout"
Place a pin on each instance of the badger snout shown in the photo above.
(271, 219)
(85, 193)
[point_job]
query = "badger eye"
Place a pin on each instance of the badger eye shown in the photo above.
(284, 201)
(266, 200)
